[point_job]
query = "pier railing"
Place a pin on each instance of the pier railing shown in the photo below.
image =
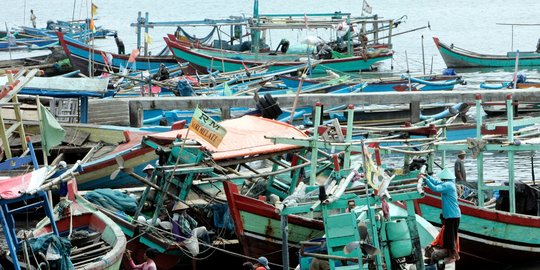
(138, 105)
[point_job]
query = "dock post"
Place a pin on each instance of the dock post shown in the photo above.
(285, 241)
(225, 113)
(135, 114)
(510, 116)
(480, 157)
(414, 108)
(83, 115)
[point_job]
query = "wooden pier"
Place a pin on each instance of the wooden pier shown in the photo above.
(138, 105)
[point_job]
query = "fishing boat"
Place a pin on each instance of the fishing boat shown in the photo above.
(230, 61)
(421, 83)
(264, 225)
(79, 235)
(456, 57)
(347, 53)
(501, 236)
(27, 43)
(243, 151)
(80, 55)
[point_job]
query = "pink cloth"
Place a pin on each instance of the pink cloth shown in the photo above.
(148, 265)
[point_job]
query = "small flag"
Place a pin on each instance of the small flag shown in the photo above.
(366, 7)
(109, 58)
(92, 26)
(147, 38)
(227, 90)
(105, 60)
(52, 133)
(12, 41)
(94, 9)
(207, 128)
(133, 55)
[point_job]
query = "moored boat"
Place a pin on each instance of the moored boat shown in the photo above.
(79, 54)
(456, 57)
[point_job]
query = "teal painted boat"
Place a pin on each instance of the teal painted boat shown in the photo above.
(225, 61)
(456, 57)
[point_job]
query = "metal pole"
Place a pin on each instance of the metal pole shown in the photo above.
(139, 30)
(314, 152)
(480, 157)
(512, 48)
(516, 70)
(423, 57)
(510, 116)
(348, 136)
(145, 34)
(285, 243)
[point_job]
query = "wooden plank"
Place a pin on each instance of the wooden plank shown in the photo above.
(108, 111)
(75, 136)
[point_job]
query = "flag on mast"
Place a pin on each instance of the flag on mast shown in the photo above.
(366, 7)
(94, 9)
(52, 132)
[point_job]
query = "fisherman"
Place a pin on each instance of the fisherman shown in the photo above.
(185, 228)
(459, 168)
(538, 46)
(148, 264)
(119, 44)
(284, 44)
(262, 264)
(33, 18)
(148, 170)
(450, 210)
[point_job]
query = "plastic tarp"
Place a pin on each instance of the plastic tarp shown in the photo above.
(14, 187)
(246, 136)
(113, 200)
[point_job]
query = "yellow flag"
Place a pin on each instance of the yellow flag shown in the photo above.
(94, 9)
(147, 38)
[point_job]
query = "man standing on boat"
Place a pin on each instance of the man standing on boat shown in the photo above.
(33, 18)
(119, 44)
(450, 210)
(459, 168)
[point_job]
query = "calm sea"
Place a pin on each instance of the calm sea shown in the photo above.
(468, 24)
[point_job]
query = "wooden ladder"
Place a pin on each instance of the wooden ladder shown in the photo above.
(8, 97)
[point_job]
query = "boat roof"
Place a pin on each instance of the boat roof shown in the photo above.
(14, 187)
(246, 136)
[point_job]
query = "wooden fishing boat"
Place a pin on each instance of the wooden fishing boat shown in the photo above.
(98, 242)
(456, 57)
(79, 54)
(27, 43)
(422, 83)
(242, 151)
(92, 241)
(488, 234)
(230, 61)
(502, 236)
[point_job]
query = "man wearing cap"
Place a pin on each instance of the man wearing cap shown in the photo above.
(185, 228)
(262, 264)
(459, 168)
(450, 209)
(148, 170)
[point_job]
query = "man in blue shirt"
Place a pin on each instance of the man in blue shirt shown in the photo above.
(450, 210)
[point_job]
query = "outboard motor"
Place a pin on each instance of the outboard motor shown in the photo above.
(162, 73)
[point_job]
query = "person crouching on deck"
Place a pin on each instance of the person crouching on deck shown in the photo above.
(185, 228)
(450, 210)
